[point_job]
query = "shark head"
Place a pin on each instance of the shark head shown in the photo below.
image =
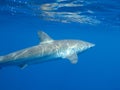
(82, 45)
(70, 48)
(79, 46)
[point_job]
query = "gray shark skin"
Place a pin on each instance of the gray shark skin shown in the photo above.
(46, 50)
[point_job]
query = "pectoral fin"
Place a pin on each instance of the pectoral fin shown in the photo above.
(22, 66)
(73, 58)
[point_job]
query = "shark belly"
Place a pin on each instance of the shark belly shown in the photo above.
(27, 61)
(33, 55)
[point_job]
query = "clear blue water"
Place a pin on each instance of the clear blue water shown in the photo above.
(96, 21)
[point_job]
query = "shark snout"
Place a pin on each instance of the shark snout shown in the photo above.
(90, 45)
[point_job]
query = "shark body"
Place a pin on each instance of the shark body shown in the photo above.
(46, 50)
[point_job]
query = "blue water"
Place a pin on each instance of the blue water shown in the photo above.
(95, 21)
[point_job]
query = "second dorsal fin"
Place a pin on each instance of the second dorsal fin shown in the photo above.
(44, 38)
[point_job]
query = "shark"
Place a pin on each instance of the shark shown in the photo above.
(47, 50)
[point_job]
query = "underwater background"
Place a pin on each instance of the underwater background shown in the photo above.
(95, 21)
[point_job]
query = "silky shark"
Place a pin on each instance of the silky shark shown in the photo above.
(46, 50)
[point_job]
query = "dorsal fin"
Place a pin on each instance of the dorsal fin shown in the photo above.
(44, 38)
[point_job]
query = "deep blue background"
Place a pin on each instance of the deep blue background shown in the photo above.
(97, 68)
